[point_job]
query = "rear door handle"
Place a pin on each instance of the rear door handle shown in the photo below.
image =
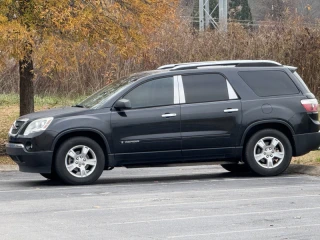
(230, 110)
(169, 115)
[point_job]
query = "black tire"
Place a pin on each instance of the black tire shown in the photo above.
(279, 166)
(236, 168)
(50, 176)
(60, 166)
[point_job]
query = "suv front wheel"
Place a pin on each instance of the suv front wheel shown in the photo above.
(79, 160)
(268, 152)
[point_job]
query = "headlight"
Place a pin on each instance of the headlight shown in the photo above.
(38, 125)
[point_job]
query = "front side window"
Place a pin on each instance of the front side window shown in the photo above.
(154, 93)
(205, 88)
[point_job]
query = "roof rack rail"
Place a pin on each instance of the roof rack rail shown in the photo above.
(236, 63)
(169, 66)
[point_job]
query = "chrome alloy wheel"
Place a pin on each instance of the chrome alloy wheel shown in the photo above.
(269, 152)
(81, 161)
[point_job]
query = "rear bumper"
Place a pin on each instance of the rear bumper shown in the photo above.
(305, 143)
(36, 162)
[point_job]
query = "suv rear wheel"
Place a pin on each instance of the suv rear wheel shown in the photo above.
(268, 152)
(79, 160)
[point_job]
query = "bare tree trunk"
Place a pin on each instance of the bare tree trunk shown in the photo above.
(26, 70)
(26, 85)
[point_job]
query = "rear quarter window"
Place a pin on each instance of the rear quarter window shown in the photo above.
(269, 83)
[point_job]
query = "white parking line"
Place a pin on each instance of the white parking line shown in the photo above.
(114, 184)
(245, 230)
(214, 216)
(103, 187)
(183, 203)
(139, 177)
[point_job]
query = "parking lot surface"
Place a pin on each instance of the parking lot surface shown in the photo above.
(161, 203)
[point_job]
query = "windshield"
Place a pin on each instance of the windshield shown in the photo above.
(97, 99)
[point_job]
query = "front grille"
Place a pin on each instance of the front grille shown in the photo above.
(17, 125)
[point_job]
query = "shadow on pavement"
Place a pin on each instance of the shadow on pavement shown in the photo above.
(105, 180)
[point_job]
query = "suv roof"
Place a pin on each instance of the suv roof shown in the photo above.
(234, 63)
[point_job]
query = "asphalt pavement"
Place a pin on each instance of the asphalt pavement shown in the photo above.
(161, 203)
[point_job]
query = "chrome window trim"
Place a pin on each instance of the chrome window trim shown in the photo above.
(175, 90)
(232, 94)
(181, 90)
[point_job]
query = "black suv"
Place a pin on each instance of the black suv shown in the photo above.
(245, 115)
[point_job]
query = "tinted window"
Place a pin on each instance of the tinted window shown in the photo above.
(205, 88)
(269, 83)
(158, 92)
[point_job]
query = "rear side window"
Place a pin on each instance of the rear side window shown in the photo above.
(269, 83)
(205, 88)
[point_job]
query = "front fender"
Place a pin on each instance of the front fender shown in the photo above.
(95, 123)
(83, 129)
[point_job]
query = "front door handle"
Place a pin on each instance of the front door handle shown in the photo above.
(169, 115)
(230, 110)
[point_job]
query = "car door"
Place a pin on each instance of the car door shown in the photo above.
(210, 117)
(149, 132)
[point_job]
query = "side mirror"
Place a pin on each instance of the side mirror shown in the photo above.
(123, 104)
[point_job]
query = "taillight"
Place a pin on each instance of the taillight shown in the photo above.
(310, 105)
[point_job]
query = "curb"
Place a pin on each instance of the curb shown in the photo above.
(304, 169)
(7, 168)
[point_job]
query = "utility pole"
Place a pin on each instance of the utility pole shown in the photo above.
(201, 15)
(205, 16)
(223, 15)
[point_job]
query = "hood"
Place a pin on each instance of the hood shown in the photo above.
(57, 113)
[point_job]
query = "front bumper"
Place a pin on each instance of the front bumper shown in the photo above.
(36, 162)
(305, 143)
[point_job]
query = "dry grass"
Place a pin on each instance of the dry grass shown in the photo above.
(312, 158)
(8, 115)
(5, 160)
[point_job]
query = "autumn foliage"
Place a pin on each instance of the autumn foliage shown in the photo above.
(48, 33)
(123, 24)
(77, 64)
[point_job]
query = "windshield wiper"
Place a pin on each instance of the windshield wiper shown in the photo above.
(78, 105)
